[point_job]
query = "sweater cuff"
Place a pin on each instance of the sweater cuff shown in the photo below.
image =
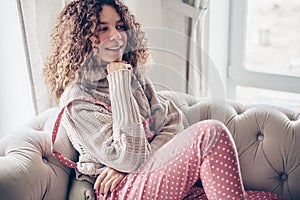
(124, 107)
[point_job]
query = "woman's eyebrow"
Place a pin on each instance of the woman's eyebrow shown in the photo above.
(119, 21)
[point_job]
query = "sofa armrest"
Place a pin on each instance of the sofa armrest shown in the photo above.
(28, 170)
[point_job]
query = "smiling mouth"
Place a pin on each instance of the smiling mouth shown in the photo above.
(114, 48)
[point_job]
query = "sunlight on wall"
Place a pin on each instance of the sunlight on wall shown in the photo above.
(16, 108)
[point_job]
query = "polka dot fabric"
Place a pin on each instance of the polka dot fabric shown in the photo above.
(220, 173)
(204, 151)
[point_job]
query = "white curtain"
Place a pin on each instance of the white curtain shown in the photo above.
(15, 102)
(187, 17)
(37, 19)
(196, 52)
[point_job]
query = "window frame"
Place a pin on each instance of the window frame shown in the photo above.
(237, 72)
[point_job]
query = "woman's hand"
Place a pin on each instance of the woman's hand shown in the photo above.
(114, 66)
(108, 180)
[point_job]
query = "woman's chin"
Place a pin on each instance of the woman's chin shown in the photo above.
(112, 59)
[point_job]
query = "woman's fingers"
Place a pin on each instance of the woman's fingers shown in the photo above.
(107, 181)
(116, 182)
(104, 184)
(114, 66)
(107, 186)
(99, 180)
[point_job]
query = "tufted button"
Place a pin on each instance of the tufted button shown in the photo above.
(260, 136)
(283, 176)
(45, 160)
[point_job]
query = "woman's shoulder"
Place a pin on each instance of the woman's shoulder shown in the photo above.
(71, 92)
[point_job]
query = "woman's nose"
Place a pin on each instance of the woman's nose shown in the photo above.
(115, 35)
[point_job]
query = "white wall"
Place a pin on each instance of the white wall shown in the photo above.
(15, 105)
(148, 12)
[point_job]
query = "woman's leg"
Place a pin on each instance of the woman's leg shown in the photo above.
(204, 150)
(220, 171)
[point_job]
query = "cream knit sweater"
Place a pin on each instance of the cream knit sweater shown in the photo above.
(117, 138)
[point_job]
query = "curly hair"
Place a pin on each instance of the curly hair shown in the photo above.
(71, 45)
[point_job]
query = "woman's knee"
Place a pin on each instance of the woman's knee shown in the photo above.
(211, 126)
(205, 132)
(209, 132)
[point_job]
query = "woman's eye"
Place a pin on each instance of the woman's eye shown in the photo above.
(122, 27)
(103, 29)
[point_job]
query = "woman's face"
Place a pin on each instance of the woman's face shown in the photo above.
(113, 39)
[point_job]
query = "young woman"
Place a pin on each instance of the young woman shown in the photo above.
(133, 143)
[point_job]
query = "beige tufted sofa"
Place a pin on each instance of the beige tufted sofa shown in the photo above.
(267, 139)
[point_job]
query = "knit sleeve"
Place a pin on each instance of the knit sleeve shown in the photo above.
(124, 107)
(114, 139)
(128, 130)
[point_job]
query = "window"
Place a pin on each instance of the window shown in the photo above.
(264, 52)
(273, 31)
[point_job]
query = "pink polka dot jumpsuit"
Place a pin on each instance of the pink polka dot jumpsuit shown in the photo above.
(203, 151)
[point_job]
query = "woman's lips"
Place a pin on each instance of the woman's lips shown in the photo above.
(114, 48)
